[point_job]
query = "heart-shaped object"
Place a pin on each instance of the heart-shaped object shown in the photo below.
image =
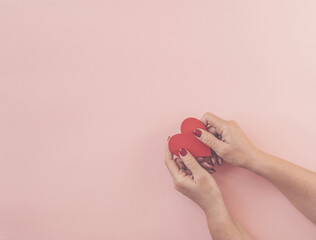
(187, 140)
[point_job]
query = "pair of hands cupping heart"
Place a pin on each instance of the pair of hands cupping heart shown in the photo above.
(186, 139)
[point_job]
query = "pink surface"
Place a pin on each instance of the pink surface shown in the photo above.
(90, 90)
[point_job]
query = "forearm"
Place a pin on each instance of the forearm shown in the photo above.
(222, 226)
(296, 183)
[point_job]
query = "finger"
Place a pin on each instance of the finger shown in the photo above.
(219, 136)
(212, 120)
(188, 172)
(211, 171)
(202, 159)
(208, 160)
(209, 139)
(219, 161)
(206, 165)
(181, 172)
(191, 163)
(214, 159)
(180, 163)
(212, 130)
(170, 163)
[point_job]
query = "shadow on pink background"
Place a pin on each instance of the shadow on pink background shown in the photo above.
(90, 91)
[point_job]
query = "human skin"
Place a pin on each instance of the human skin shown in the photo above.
(230, 144)
(201, 187)
(296, 183)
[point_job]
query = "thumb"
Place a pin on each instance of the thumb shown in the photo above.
(209, 139)
(191, 163)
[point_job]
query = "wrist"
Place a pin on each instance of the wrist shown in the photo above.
(255, 158)
(215, 206)
(218, 215)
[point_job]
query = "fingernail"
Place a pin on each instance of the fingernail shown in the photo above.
(168, 138)
(197, 132)
(183, 152)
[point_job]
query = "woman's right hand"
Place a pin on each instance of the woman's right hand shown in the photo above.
(227, 139)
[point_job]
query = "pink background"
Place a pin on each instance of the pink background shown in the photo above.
(90, 90)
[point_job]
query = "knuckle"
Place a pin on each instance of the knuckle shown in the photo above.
(230, 122)
(225, 126)
(177, 184)
(208, 114)
(233, 123)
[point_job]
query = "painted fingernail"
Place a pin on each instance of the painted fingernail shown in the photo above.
(197, 132)
(183, 152)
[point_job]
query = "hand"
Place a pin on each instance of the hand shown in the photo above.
(200, 186)
(212, 160)
(196, 183)
(206, 162)
(227, 139)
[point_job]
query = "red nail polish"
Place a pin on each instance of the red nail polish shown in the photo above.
(183, 152)
(197, 132)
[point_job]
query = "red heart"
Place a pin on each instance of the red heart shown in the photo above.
(187, 140)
